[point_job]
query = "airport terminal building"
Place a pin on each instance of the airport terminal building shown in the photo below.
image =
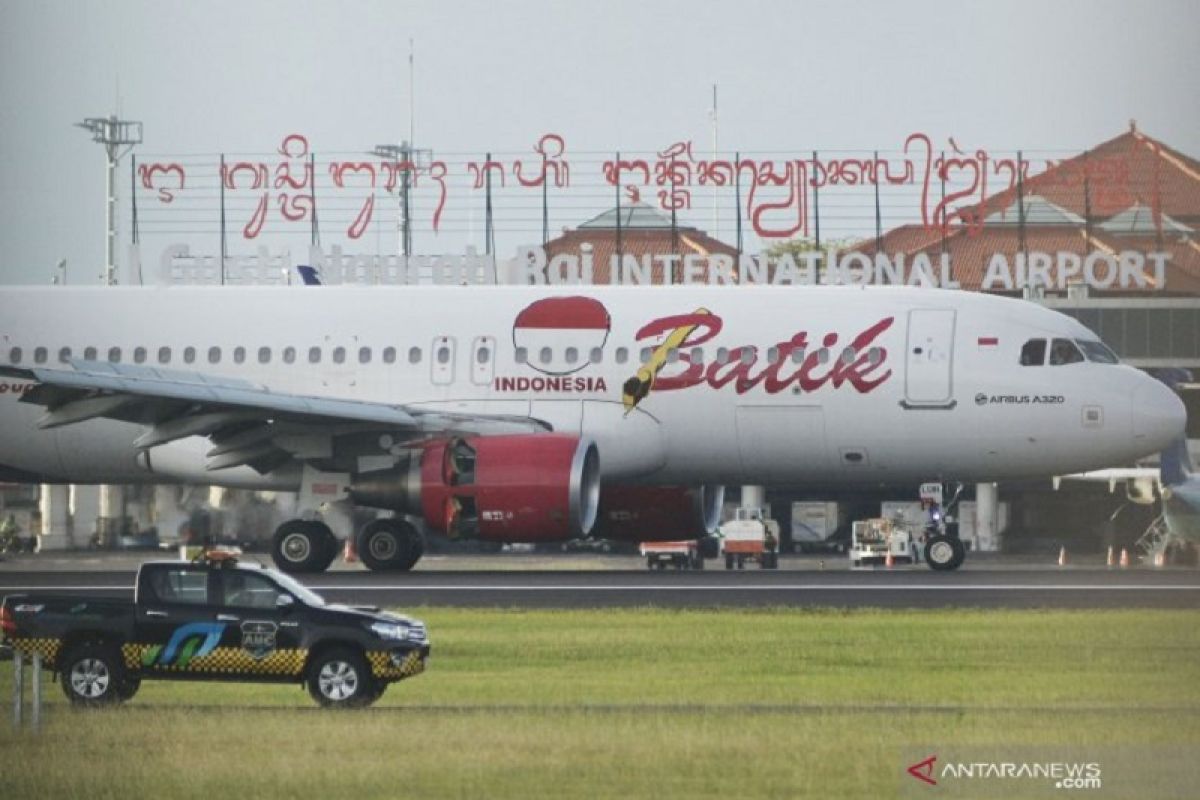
(1110, 236)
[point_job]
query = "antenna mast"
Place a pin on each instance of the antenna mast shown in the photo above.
(114, 134)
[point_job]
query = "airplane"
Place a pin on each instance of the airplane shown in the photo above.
(527, 414)
(1173, 483)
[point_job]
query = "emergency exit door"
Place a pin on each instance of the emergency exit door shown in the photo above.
(929, 363)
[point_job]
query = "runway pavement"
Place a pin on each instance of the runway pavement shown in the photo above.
(616, 581)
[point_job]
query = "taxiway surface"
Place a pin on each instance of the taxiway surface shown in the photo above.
(492, 582)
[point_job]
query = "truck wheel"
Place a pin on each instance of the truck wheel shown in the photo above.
(944, 553)
(92, 675)
(301, 546)
(339, 678)
(389, 545)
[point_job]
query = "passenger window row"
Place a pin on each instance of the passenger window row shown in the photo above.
(695, 355)
(214, 355)
(365, 355)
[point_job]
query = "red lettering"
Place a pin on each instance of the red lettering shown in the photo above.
(773, 383)
(706, 327)
(859, 372)
(862, 373)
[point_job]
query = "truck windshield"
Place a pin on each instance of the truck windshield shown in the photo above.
(302, 592)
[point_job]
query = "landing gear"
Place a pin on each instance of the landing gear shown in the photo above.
(944, 553)
(390, 545)
(303, 546)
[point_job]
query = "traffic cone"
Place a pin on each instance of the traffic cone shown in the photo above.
(1124, 557)
(1062, 556)
(889, 562)
(1112, 557)
(350, 552)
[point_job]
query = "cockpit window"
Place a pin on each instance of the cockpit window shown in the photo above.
(1064, 351)
(1033, 353)
(1097, 352)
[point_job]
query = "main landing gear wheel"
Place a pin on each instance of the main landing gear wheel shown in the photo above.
(303, 546)
(944, 553)
(390, 545)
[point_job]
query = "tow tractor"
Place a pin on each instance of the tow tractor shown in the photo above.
(872, 540)
(750, 537)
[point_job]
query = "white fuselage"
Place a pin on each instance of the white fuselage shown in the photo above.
(934, 389)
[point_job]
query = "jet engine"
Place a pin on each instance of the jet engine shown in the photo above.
(518, 488)
(649, 513)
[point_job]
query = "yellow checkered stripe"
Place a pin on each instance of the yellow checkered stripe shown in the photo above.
(228, 660)
(46, 648)
(382, 666)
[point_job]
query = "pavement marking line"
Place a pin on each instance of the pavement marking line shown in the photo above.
(835, 587)
(840, 587)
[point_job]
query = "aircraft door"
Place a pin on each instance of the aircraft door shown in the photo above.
(929, 364)
(442, 360)
(483, 360)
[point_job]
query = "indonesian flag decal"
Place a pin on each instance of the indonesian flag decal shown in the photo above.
(988, 341)
(558, 334)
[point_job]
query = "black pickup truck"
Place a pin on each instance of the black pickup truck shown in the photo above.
(215, 619)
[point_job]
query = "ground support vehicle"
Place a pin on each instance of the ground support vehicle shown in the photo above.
(215, 619)
(750, 537)
(680, 555)
(873, 540)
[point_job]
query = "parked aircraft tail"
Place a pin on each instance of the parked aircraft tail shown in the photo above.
(309, 275)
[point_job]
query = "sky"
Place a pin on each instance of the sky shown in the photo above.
(212, 77)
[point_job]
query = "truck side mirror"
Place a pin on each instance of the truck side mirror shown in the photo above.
(284, 601)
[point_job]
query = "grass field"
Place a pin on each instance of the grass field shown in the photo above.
(645, 702)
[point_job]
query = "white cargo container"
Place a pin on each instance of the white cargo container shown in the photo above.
(813, 522)
(967, 529)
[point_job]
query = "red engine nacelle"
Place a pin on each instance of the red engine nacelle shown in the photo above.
(519, 488)
(659, 513)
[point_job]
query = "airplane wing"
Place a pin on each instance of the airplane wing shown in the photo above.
(248, 423)
(1141, 483)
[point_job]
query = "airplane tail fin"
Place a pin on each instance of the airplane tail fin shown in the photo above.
(309, 275)
(1175, 463)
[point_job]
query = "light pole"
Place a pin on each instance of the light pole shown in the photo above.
(408, 160)
(114, 134)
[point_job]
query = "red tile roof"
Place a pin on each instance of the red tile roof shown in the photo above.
(637, 243)
(1128, 169)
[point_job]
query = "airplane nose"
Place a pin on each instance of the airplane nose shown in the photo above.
(1159, 416)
